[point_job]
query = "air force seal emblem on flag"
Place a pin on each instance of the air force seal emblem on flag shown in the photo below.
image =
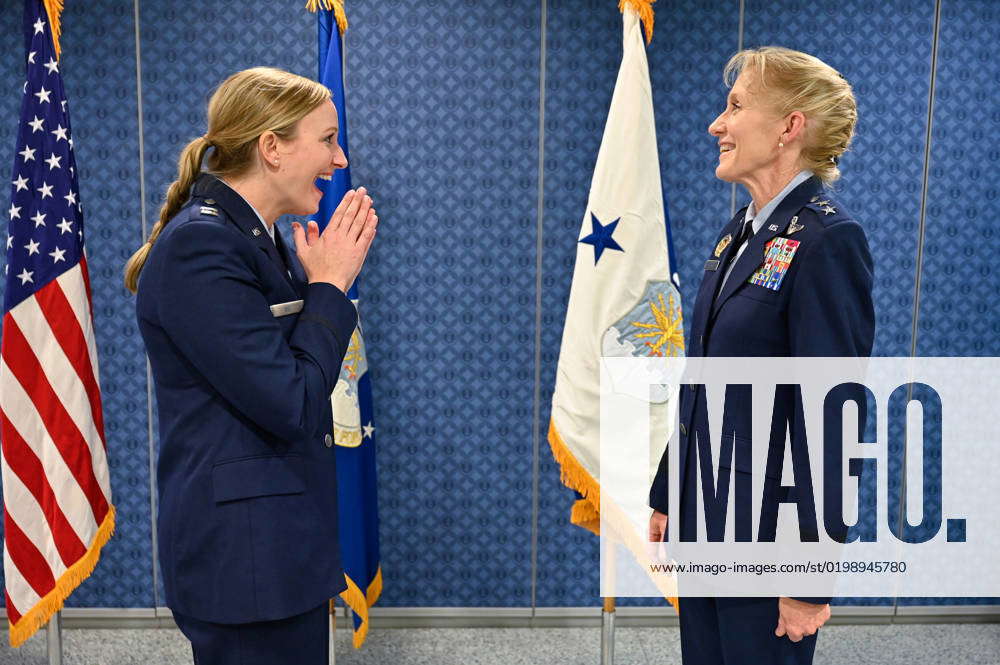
(653, 327)
(346, 409)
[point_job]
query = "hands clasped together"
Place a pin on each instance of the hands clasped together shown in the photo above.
(337, 254)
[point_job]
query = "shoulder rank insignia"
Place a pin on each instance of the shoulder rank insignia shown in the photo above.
(794, 226)
(778, 256)
(828, 209)
(721, 247)
(206, 210)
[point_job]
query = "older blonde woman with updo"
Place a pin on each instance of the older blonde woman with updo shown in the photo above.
(789, 275)
(246, 339)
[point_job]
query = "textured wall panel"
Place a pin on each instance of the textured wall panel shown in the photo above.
(442, 106)
(98, 68)
(960, 279)
(584, 52)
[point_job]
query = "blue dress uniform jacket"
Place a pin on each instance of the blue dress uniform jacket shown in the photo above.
(823, 307)
(247, 522)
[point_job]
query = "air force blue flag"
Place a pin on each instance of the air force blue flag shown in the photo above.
(353, 423)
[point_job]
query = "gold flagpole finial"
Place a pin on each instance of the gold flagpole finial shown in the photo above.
(54, 8)
(644, 8)
(337, 6)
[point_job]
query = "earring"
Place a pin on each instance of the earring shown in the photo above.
(780, 144)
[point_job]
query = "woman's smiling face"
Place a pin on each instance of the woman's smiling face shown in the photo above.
(748, 132)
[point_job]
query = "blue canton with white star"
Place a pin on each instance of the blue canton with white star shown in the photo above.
(45, 218)
(600, 237)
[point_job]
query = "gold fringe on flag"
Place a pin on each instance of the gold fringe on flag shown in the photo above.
(644, 8)
(54, 8)
(360, 602)
(40, 614)
(586, 512)
(337, 6)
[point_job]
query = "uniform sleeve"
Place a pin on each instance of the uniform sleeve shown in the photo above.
(659, 491)
(213, 309)
(831, 313)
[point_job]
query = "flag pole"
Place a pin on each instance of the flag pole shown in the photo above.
(53, 638)
(608, 611)
(608, 632)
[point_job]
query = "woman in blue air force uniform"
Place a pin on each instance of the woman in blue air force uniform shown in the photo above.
(246, 340)
(789, 275)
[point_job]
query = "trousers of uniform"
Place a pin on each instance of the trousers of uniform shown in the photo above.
(737, 631)
(303, 639)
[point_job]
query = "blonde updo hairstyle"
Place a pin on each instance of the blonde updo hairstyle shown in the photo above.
(795, 81)
(243, 107)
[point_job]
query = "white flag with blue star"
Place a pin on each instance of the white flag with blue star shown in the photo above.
(624, 300)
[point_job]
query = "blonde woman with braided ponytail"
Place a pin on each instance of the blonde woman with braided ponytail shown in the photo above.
(246, 337)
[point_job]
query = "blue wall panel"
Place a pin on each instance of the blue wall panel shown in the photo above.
(959, 277)
(442, 107)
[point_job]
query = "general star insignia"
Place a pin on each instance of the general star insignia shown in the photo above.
(721, 247)
(828, 209)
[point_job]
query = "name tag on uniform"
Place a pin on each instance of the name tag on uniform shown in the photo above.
(286, 308)
(712, 264)
(778, 255)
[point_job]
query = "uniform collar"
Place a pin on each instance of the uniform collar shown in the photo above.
(759, 219)
(743, 266)
(209, 186)
(213, 191)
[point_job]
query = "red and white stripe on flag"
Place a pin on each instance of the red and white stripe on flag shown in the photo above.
(56, 488)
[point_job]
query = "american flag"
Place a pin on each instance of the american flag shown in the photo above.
(56, 490)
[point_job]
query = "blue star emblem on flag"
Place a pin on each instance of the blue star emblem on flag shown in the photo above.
(600, 237)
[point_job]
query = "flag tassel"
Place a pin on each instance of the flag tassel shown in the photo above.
(336, 6)
(644, 8)
(54, 9)
(40, 614)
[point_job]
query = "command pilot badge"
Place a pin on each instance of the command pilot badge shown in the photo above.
(778, 256)
(721, 247)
